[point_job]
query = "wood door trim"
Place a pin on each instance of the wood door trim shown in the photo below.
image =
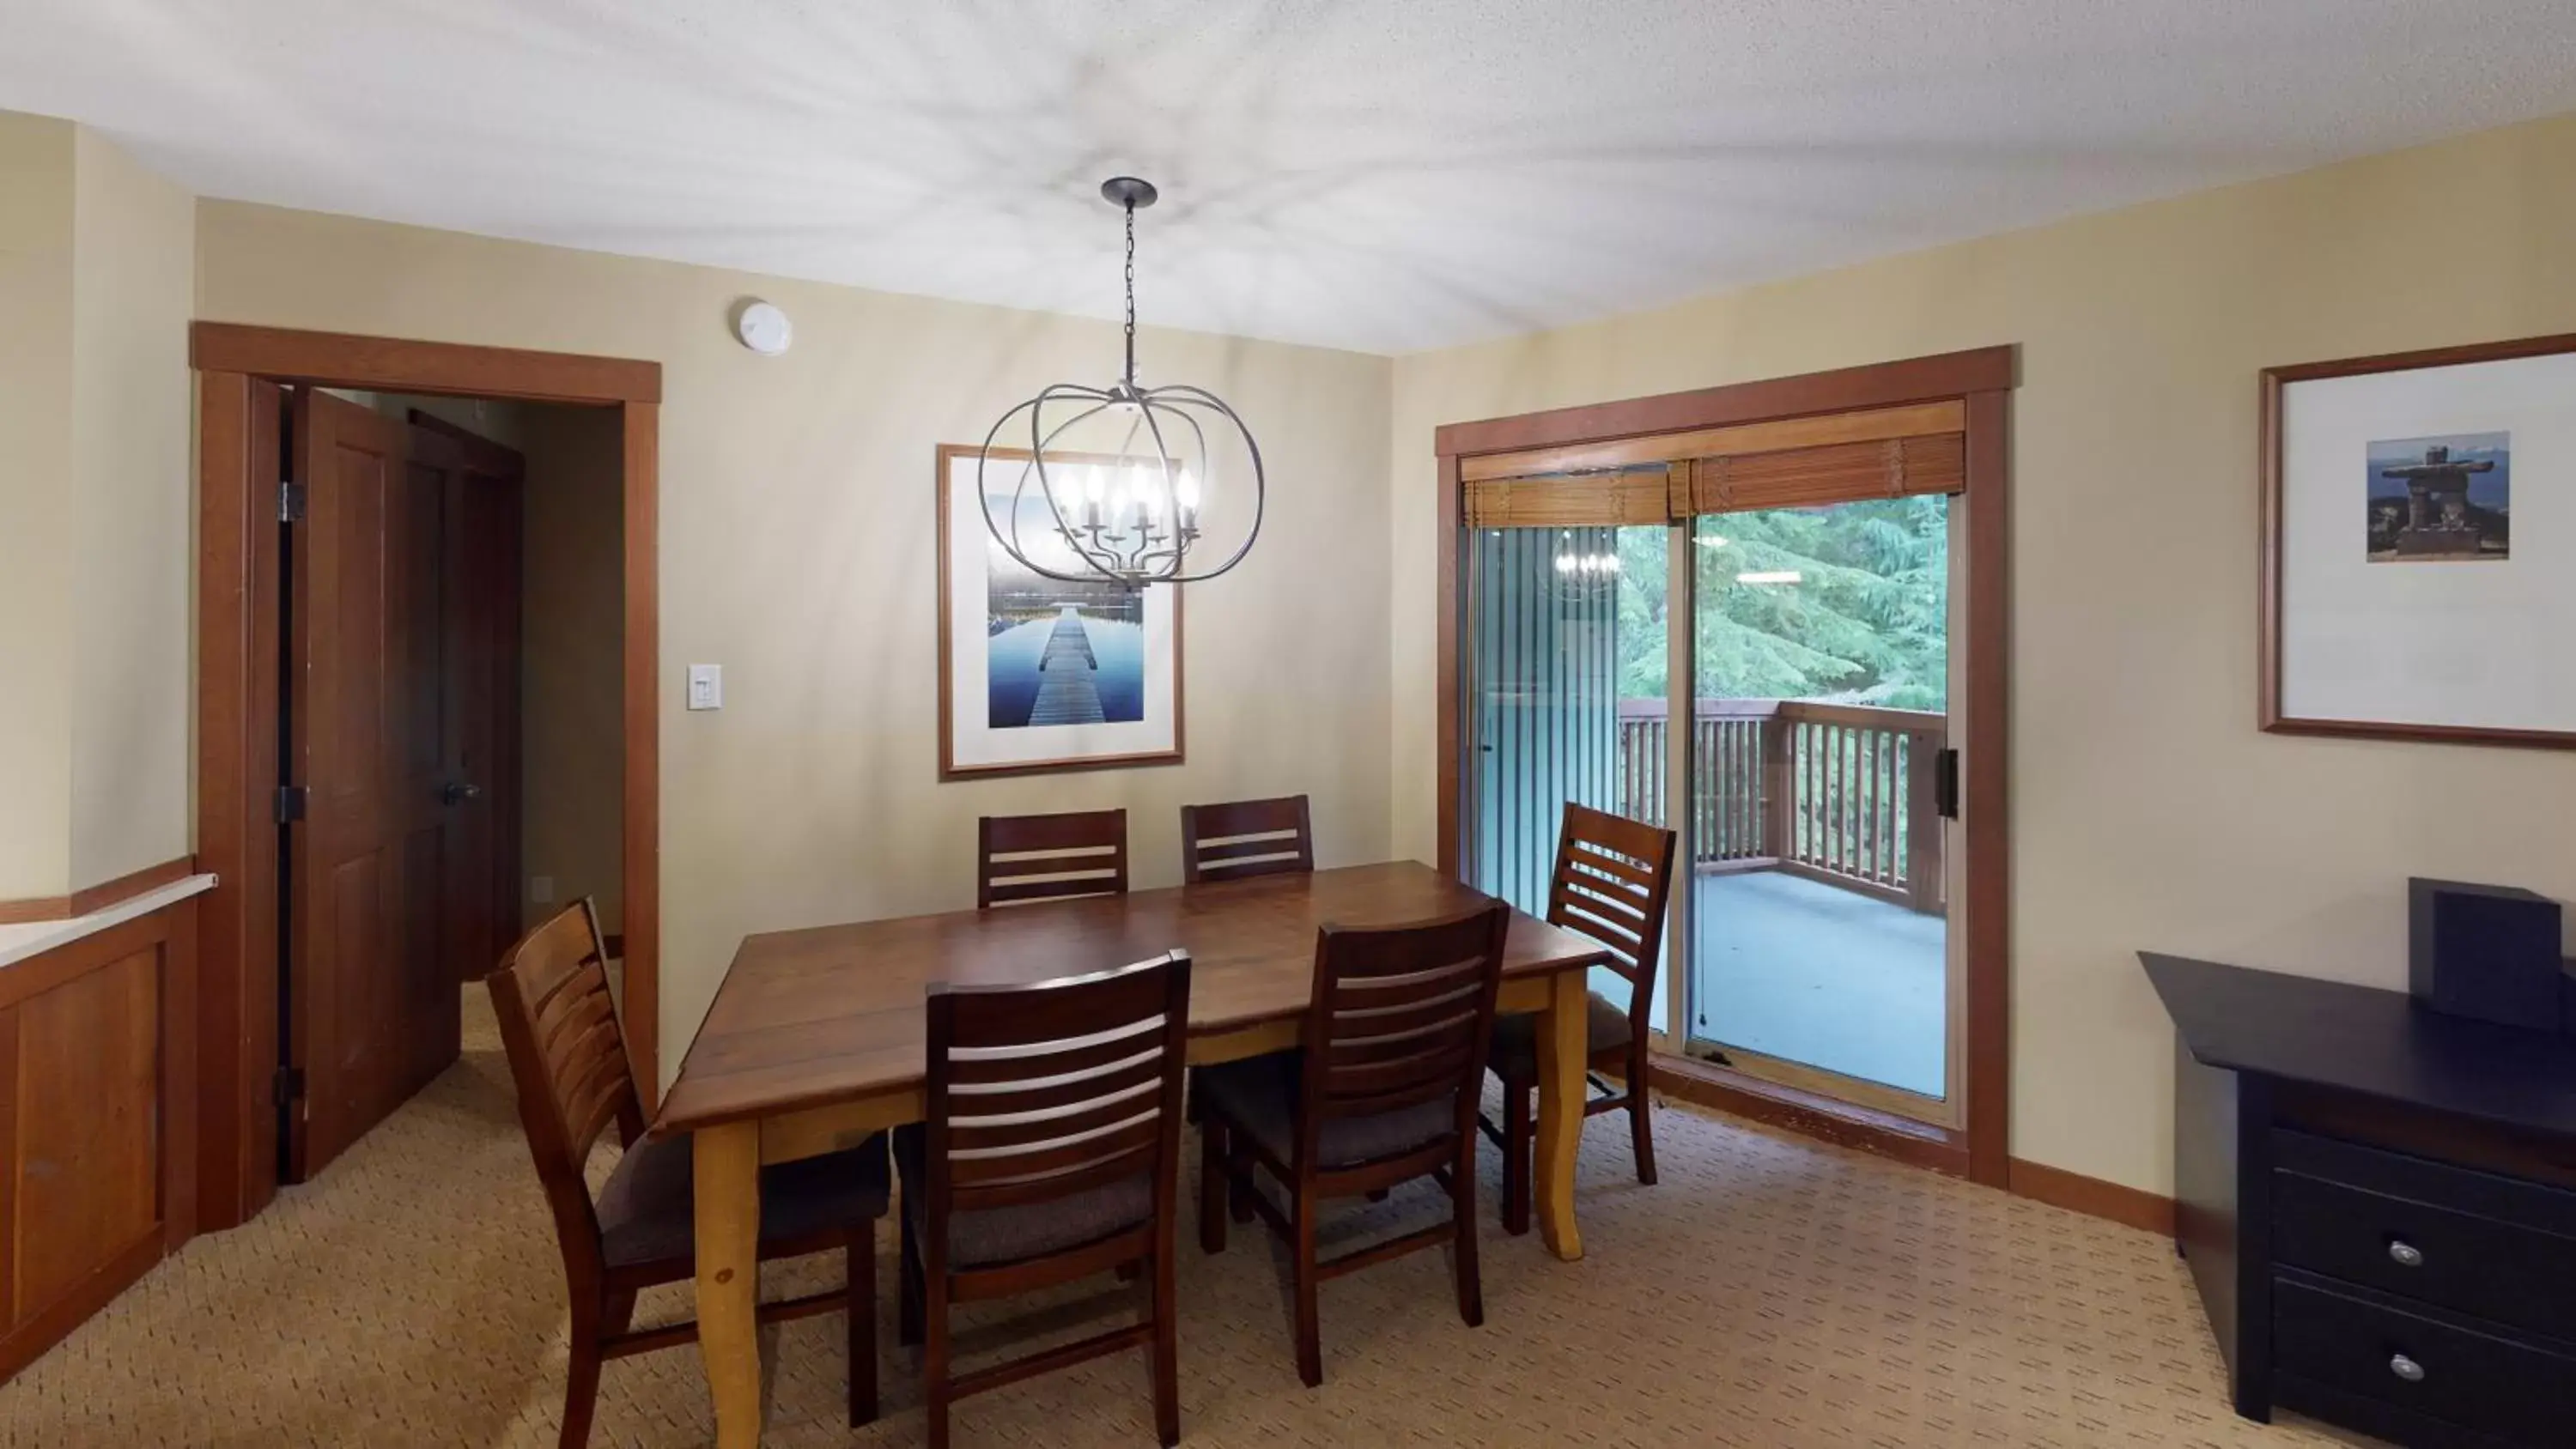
(1980, 380)
(1845, 1124)
(392, 364)
(237, 608)
(1887, 384)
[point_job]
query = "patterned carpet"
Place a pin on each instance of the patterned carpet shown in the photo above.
(1771, 1292)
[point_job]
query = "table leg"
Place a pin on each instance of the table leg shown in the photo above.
(728, 1210)
(1563, 1039)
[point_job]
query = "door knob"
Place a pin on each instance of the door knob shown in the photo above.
(456, 792)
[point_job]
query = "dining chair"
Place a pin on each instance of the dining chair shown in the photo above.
(1613, 877)
(1022, 858)
(1050, 1151)
(1246, 838)
(1384, 1090)
(559, 1030)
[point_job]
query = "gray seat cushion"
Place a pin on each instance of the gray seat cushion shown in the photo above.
(1515, 1053)
(647, 1210)
(983, 1237)
(1262, 1094)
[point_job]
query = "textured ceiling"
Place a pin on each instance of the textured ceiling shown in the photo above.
(1377, 174)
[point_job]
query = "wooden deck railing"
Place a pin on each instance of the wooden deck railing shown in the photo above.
(1839, 793)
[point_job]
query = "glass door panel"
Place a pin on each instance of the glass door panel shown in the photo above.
(1567, 673)
(1819, 950)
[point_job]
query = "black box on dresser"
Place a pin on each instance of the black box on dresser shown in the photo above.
(2485, 951)
(2377, 1203)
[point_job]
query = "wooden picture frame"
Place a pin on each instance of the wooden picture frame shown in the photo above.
(2299, 417)
(1107, 748)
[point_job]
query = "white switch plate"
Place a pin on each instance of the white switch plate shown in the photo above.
(541, 889)
(706, 686)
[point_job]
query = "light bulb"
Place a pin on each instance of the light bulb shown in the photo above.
(1186, 493)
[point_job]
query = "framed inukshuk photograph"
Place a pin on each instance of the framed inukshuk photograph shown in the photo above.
(1039, 673)
(2419, 545)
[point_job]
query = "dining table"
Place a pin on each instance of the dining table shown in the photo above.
(817, 1039)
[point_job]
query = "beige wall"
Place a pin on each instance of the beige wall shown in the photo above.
(36, 168)
(97, 281)
(2148, 811)
(572, 632)
(796, 550)
(133, 289)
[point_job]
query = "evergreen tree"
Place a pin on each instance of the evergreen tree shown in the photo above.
(1864, 623)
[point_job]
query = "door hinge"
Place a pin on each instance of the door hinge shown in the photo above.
(290, 803)
(288, 1086)
(290, 503)
(1945, 784)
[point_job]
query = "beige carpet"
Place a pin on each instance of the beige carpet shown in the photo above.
(1769, 1292)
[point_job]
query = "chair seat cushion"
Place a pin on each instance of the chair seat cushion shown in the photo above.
(983, 1237)
(647, 1210)
(1515, 1053)
(1262, 1094)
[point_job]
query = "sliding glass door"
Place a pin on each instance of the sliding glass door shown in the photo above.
(1818, 949)
(1765, 668)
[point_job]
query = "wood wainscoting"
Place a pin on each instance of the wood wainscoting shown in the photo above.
(97, 1122)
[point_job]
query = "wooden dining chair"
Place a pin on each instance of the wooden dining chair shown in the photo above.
(569, 1061)
(1246, 838)
(1021, 858)
(1613, 879)
(1384, 1090)
(1050, 1152)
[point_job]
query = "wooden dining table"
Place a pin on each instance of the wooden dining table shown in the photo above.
(816, 1040)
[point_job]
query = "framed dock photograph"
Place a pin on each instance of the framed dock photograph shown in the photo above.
(2419, 545)
(1038, 673)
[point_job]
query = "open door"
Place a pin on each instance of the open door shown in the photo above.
(371, 992)
(480, 482)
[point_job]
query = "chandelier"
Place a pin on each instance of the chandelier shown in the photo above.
(1129, 516)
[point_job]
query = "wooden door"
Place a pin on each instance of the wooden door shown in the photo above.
(481, 482)
(371, 1010)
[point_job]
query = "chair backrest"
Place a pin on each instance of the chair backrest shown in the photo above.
(1245, 838)
(1613, 879)
(1039, 1092)
(559, 1030)
(1047, 857)
(1401, 1016)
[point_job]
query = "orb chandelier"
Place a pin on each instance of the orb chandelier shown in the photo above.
(1130, 516)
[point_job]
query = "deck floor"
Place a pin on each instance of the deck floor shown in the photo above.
(1810, 973)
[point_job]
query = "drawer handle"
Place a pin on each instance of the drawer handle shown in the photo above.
(2406, 1368)
(2405, 1254)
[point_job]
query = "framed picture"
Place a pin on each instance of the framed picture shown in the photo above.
(2419, 545)
(1040, 674)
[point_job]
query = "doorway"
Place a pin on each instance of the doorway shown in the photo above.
(372, 514)
(1769, 617)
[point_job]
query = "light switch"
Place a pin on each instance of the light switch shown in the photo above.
(706, 686)
(541, 889)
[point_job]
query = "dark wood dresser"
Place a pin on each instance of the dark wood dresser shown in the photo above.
(2378, 1203)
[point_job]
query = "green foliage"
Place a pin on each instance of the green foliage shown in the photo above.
(1866, 622)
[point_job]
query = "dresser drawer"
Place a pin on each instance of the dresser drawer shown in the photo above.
(2518, 1391)
(2490, 1247)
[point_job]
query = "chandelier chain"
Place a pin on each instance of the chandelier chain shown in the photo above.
(1131, 293)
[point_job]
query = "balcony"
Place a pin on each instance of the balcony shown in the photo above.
(1818, 906)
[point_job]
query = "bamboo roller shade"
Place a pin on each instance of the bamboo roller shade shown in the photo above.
(1796, 462)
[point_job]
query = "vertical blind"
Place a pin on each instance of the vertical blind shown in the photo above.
(1545, 709)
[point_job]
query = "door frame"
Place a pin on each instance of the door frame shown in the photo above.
(1982, 380)
(237, 703)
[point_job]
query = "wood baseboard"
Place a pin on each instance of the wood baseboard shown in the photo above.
(99, 897)
(2092, 1196)
(1910, 1142)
